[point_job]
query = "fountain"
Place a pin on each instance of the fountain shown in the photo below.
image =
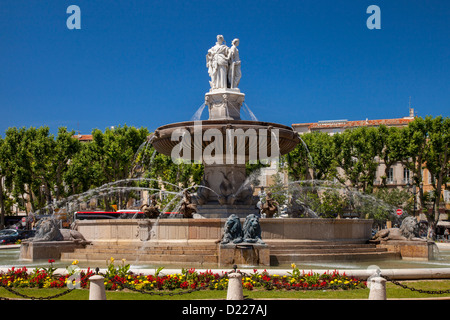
(200, 235)
(224, 142)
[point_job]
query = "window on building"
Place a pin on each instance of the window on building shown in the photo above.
(406, 175)
(446, 196)
(390, 175)
(430, 178)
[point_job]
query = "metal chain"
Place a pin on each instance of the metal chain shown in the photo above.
(34, 298)
(414, 289)
(270, 284)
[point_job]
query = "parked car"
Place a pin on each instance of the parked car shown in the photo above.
(8, 236)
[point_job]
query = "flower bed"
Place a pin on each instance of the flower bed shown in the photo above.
(119, 277)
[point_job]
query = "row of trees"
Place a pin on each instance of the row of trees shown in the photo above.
(353, 156)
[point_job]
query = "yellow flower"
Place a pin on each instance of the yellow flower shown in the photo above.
(75, 262)
(293, 266)
(111, 260)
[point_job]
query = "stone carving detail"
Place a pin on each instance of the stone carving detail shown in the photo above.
(144, 230)
(151, 210)
(232, 232)
(226, 190)
(47, 229)
(297, 208)
(217, 64)
(202, 194)
(224, 65)
(409, 230)
(234, 72)
(188, 207)
(270, 207)
(252, 230)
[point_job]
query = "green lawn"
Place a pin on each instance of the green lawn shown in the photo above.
(393, 292)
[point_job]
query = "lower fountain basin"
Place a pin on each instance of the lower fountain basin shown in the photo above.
(127, 230)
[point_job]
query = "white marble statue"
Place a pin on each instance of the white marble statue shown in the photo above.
(234, 71)
(217, 64)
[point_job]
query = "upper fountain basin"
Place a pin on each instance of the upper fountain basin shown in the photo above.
(248, 138)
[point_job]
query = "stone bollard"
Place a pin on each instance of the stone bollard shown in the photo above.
(377, 287)
(235, 290)
(97, 288)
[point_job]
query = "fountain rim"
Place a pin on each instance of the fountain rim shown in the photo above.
(163, 133)
(225, 121)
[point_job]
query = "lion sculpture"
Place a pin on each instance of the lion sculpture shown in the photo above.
(252, 229)
(232, 231)
(47, 229)
(409, 230)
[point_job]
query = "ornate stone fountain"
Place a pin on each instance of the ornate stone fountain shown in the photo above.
(224, 143)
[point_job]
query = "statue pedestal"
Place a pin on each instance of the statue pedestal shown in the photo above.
(224, 104)
(43, 250)
(244, 255)
(412, 250)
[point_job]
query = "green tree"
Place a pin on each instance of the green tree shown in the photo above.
(108, 158)
(391, 151)
(411, 151)
(316, 151)
(3, 194)
(17, 166)
(436, 157)
(356, 153)
(65, 148)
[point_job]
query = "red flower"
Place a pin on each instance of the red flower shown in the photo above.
(51, 260)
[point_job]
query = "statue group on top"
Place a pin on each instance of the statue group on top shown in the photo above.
(224, 65)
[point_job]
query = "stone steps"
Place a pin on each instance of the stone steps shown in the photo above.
(298, 252)
(207, 254)
(148, 250)
(157, 259)
(324, 251)
(195, 255)
(315, 257)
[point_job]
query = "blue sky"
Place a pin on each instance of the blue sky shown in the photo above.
(142, 63)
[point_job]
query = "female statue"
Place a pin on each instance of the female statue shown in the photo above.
(217, 64)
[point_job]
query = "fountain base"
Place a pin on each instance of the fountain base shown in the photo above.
(43, 250)
(244, 255)
(412, 250)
